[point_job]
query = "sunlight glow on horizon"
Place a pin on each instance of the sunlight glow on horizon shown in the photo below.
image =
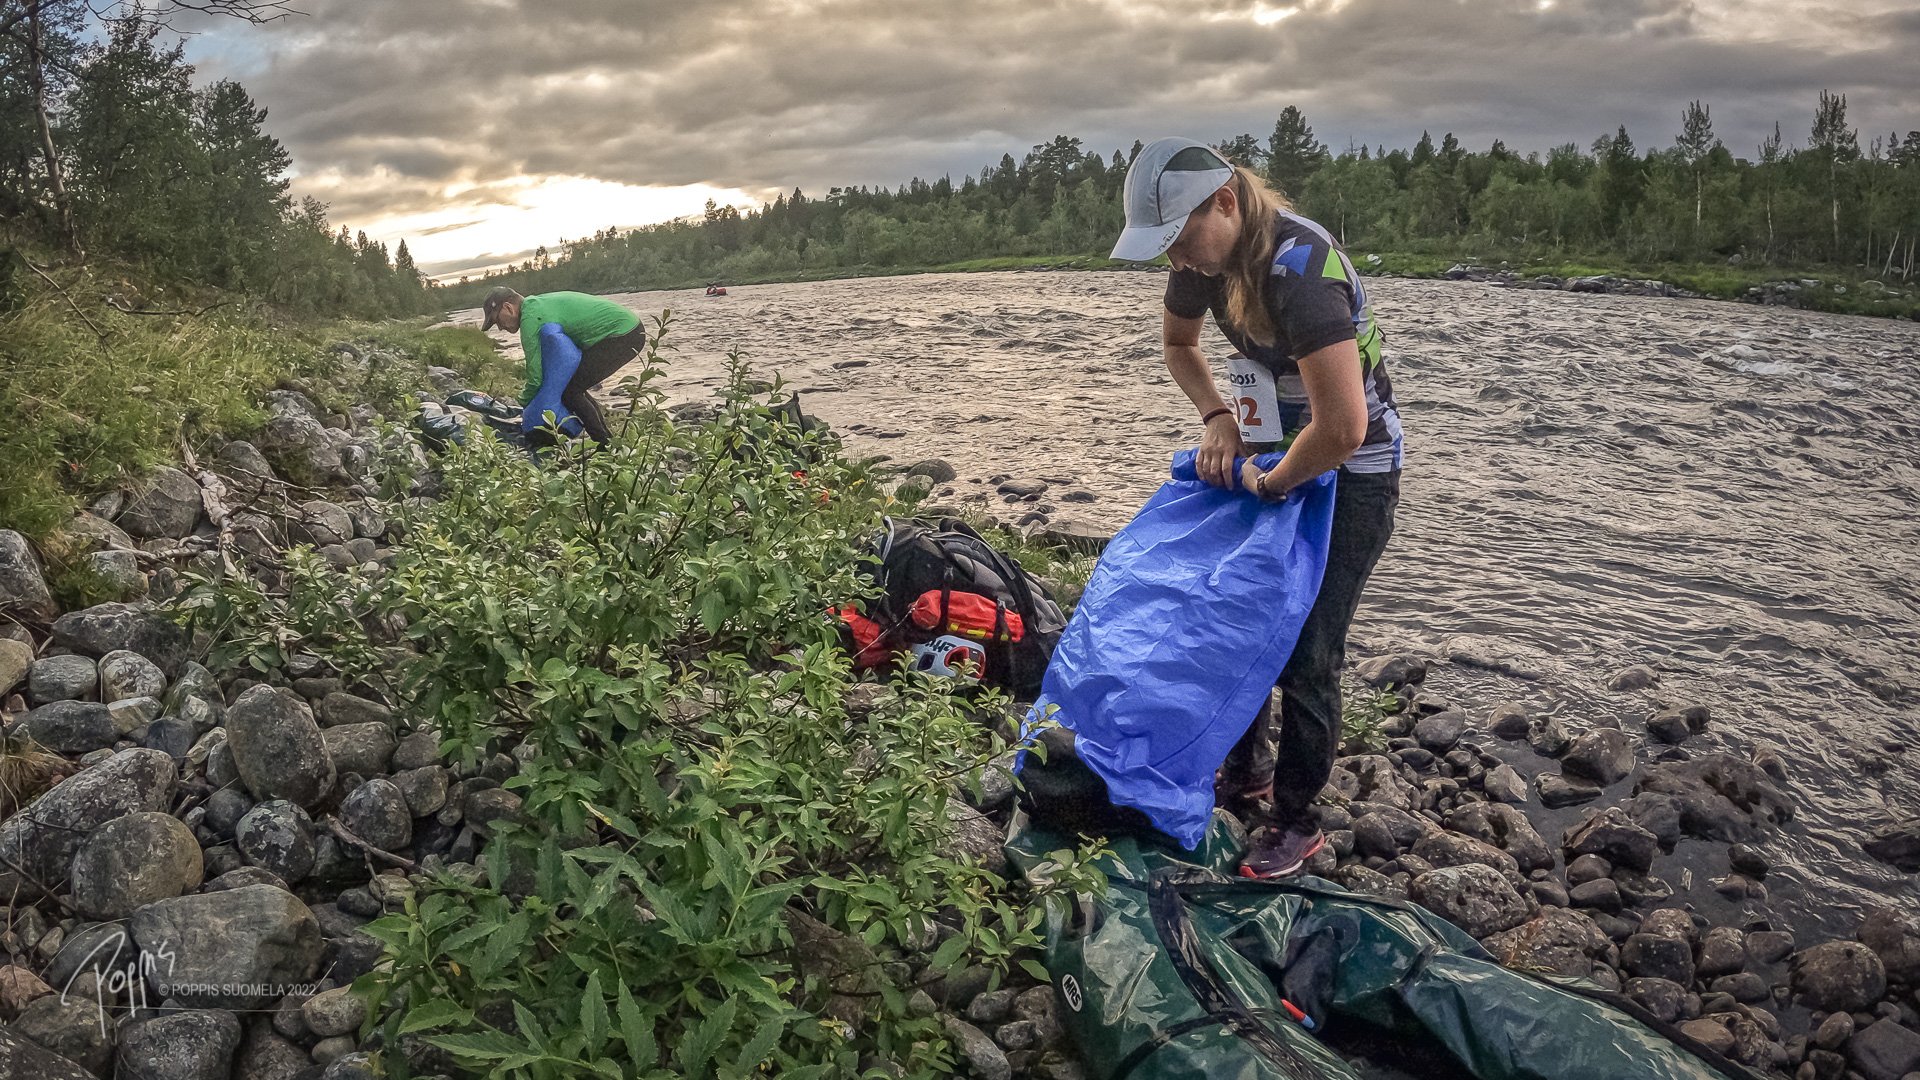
(527, 212)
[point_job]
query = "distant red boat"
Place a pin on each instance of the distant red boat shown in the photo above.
(716, 290)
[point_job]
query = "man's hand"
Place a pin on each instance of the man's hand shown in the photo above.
(1218, 449)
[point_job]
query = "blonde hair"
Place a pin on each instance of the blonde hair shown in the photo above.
(1247, 268)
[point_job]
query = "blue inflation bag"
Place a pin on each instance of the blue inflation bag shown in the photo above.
(559, 359)
(1190, 616)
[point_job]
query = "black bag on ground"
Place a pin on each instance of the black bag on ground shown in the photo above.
(947, 556)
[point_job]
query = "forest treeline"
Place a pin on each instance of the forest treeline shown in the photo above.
(109, 150)
(1831, 197)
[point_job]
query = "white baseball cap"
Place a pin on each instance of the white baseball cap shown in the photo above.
(1166, 183)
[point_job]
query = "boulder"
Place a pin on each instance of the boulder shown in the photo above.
(165, 505)
(1723, 951)
(1602, 755)
(322, 523)
(1897, 845)
(1653, 956)
(116, 574)
(132, 861)
(16, 659)
(1636, 677)
(417, 751)
(1478, 899)
(484, 807)
(70, 727)
(983, 1057)
(1678, 725)
(298, 447)
(1505, 828)
(23, 588)
(1659, 814)
(1385, 831)
(935, 470)
(71, 1029)
(87, 533)
(113, 627)
(1504, 784)
(1379, 781)
(229, 949)
(1549, 737)
(1838, 976)
(126, 674)
(61, 678)
(1392, 672)
(377, 812)
(1612, 835)
(1509, 721)
(22, 1057)
(1440, 731)
(1720, 797)
(1885, 1051)
(196, 1045)
(366, 749)
(277, 836)
(277, 748)
(265, 1054)
(1894, 936)
(1601, 894)
(974, 838)
(339, 709)
(245, 467)
(1664, 998)
(42, 838)
(333, 1012)
(1451, 849)
(425, 789)
(1557, 940)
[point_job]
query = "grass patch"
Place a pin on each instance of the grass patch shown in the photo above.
(90, 395)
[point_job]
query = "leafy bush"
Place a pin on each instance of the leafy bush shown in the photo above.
(706, 785)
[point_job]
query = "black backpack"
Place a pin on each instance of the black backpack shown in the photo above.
(918, 556)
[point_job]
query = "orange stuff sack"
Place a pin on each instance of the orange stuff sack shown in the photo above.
(868, 649)
(968, 615)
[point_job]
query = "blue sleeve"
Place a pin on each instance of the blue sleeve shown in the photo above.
(559, 359)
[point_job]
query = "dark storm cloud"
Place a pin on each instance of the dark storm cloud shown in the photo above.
(773, 94)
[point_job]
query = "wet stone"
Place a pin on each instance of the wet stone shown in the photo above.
(1769, 946)
(1602, 755)
(1509, 721)
(1654, 957)
(1678, 725)
(1838, 975)
(1438, 733)
(1636, 677)
(1558, 791)
(1723, 951)
(1603, 894)
(1664, 998)
(1885, 1051)
(1745, 987)
(1587, 868)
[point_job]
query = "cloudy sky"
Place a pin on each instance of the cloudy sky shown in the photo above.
(479, 129)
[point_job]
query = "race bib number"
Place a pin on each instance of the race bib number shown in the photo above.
(1254, 400)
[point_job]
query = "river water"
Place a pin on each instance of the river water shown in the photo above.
(1725, 492)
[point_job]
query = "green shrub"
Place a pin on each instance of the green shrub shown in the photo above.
(705, 771)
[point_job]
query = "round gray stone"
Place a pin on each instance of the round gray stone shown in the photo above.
(277, 836)
(61, 678)
(132, 861)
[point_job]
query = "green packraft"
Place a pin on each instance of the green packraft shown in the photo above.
(1179, 972)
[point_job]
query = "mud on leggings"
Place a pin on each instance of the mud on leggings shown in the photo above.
(597, 363)
(1309, 685)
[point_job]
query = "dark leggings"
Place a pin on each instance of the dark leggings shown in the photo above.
(1310, 683)
(597, 363)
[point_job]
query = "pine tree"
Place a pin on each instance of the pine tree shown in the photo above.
(1292, 152)
(1837, 145)
(1696, 143)
(1423, 150)
(1243, 150)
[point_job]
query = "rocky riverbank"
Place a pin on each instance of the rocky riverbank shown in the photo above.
(193, 856)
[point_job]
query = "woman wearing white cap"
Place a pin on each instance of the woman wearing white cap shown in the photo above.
(1309, 379)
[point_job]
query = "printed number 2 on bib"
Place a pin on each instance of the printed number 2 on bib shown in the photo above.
(1254, 400)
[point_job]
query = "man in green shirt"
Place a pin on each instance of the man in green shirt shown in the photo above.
(573, 342)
